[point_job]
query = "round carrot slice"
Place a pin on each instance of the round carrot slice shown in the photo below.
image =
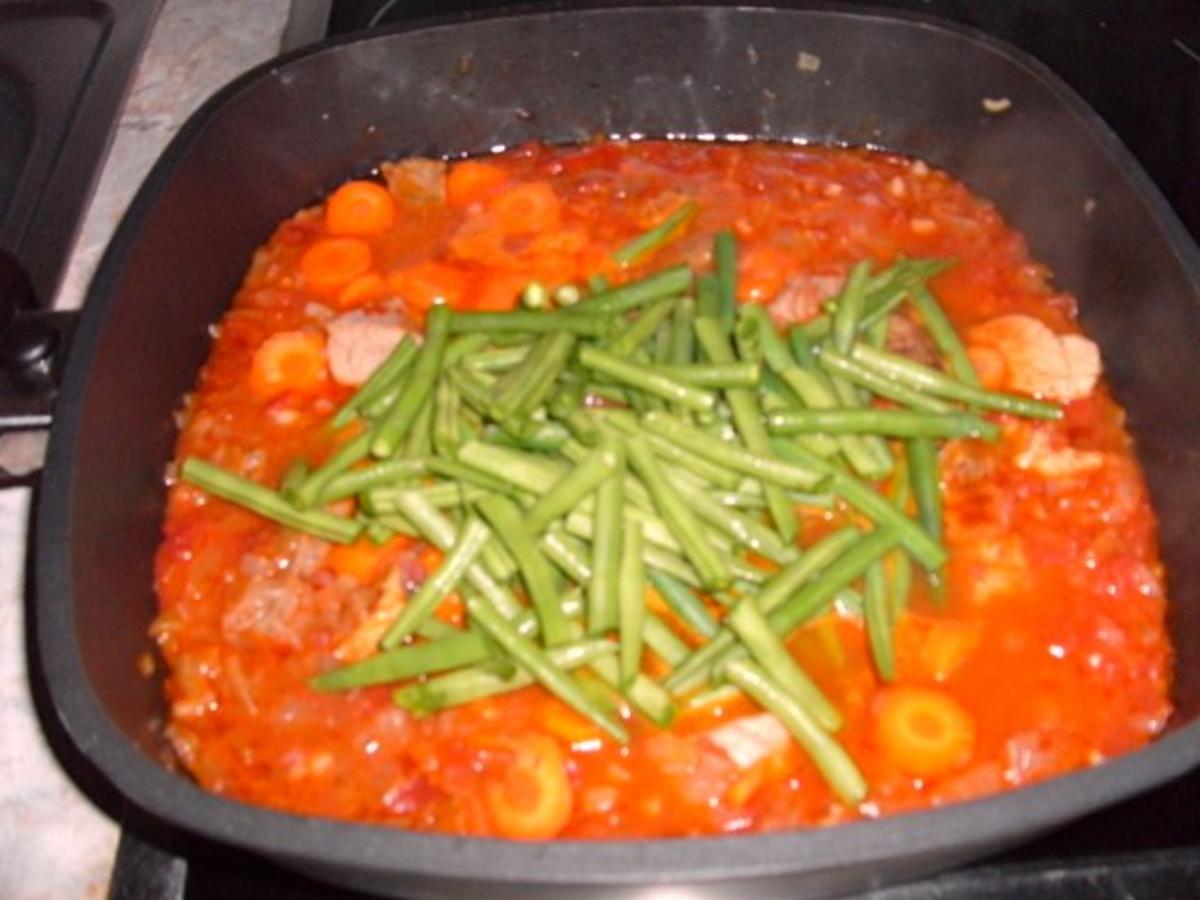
(333, 262)
(472, 181)
(527, 208)
(923, 732)
(531, 799)
(289, 361)
(360, 208)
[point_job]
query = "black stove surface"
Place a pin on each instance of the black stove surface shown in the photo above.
(1138, 65)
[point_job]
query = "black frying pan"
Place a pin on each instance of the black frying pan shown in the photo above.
(278, 137)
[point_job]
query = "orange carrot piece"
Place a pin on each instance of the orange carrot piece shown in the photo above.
(362, 289)
(531, 799)
(527, 208)
(360, 208)
(924, 732)
(430, 283)
(472, 181)
(498, 291)
(289, 361)
(333, 262)
(363, 560)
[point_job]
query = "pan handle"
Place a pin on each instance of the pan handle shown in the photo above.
(33, 345)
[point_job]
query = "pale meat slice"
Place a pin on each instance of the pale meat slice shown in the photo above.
(359, 342)
(1020, 353)
(416, 179)
(750, 739)
(1045, 451)
(801, 297)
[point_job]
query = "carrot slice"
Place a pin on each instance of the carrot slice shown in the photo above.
(499, 291)
(362, 289)
(531, 800)
(429, 283)
(333, 262)
(360, 207)
(527, 208)
(924, 732)
(289, 361)
(472, 181)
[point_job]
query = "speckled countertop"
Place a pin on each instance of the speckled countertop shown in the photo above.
(56, 843)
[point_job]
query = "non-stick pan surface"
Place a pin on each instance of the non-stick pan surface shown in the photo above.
(277, 138)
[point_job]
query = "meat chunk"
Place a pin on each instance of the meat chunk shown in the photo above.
(1020, 353)
(752, 738)
(802, 296)
(359, 342)
(906, 337)
(417, 179)
(1046, 452)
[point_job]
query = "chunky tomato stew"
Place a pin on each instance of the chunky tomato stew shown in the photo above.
(653, 489)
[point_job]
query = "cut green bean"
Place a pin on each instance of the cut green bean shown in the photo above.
(849, 313)
(641, 329)
(710, 563)
(524, 388)
(463, 649)
(601, 464)
(725, 267)
(890, 422)
(668, 282)
(834, 763)
(933, 317)
(454, 566)
(751, 626)
(310, 491)
(644, 694)
(265, 502)
(729, 455)
(746, 530)
(878, 614)
(631, 602)
(536, 662)
(389, 473)
(745, 374)
(400, 418)
(643, 379)
(883, 385)
(574, 321)
(659, 236)
(687, 606)
(603, 590)
(386, 375)
(508, 524)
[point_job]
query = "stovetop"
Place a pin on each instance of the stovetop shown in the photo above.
(1138, 64)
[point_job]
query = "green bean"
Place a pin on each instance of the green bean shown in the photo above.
(834, 763)
(462, 649)
(687, 606)
(466, 685)
(885, 292)
(583, 525)
(264, 501)
(309, 492)
(919, 542)
(576, 321)
(709, 472)
(497, 359)
(891, 422)
(922, 378)
(712, 566)
(568, 553)
(729, 375)
(725, 265)
(631, 602)
(747, 530)
(403, 413)
(446, 403)
(520, 469)
(441, 494)
(751, 626)
(293, 476)
(747, 417)
(774, 594)
(601, 464)
(878, 615)
(708, 297)
(453, 469)
(943, 334)
(644, 694)
(459, 348)
(643, 379)
(667, 282)
(387, 473)
(925, 479)
(878, 383)
(471, 541)
(386, 375)
(663, 641)
(419, 440)
(683, 340)
(440, 531)
(641, 329)
(536, 662)
(603, 590)
(508, 524)
(659, 236)
(849, 312)
(729, 455)
(523, 388)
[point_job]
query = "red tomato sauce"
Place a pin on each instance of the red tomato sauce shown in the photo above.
(1050, 635)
